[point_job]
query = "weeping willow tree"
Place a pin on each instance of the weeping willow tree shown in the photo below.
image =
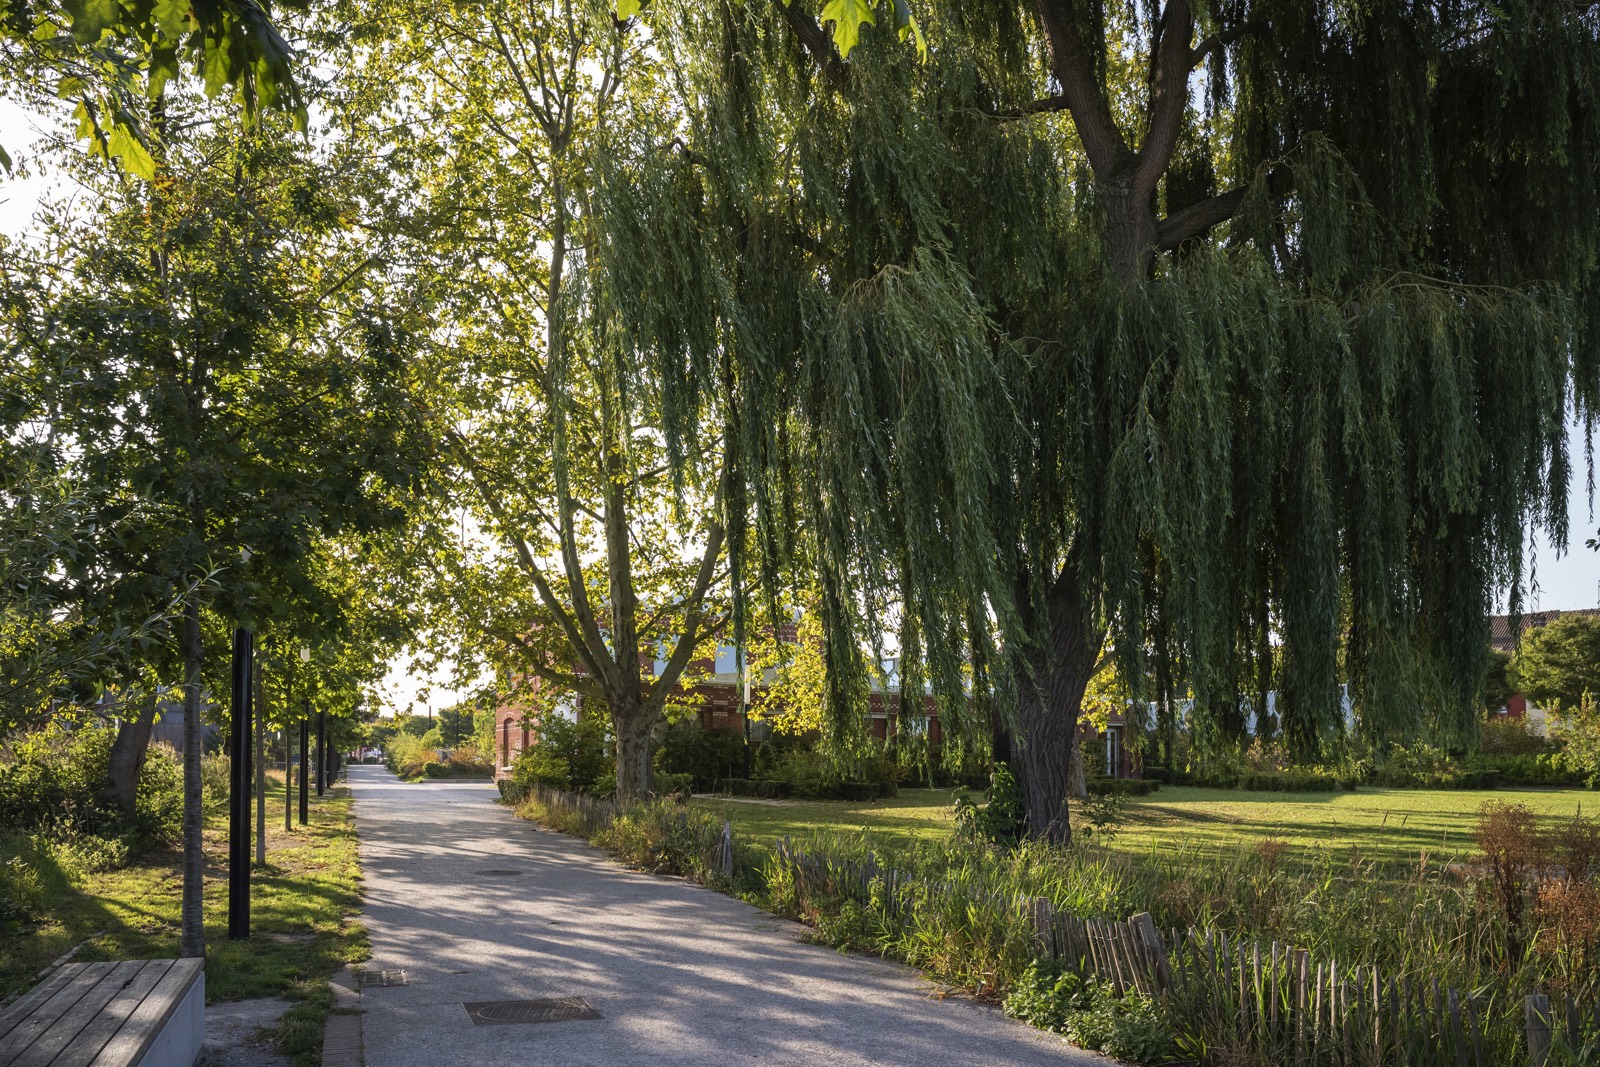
(1240, 335)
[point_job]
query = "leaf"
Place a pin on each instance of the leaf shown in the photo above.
(91, 18)
(69, 87)
(172, 16)
(5, 159)
(626, 9)
(218, 70)
(126, 146)
(905, 24)
(847, 17)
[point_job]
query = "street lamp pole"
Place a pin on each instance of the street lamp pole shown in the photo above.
(239, 792)
(305, 762)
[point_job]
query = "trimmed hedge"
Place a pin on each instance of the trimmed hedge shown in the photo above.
(1128, 787)
(1288, 781)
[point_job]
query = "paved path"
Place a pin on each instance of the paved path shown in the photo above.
(679, 974)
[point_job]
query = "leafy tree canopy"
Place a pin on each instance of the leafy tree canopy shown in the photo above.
(1106, 313)
(1557, 663)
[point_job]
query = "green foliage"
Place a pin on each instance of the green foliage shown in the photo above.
(707, 756)
(1505, 736)
(408, 757)
(1579, 731)
(115, 61)
(51, 780)
(986, 390)
(1131, 1027)
(566, 754)
(1555, 664)
(1002, 819)
(806, 772)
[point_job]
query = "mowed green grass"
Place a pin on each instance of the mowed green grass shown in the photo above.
(1384, 825)
(303, 907)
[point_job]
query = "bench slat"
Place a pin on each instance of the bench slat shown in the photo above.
(26, 1032)
(52, 1042)
(93, 1037)
(145, 1023)
(23, 1006)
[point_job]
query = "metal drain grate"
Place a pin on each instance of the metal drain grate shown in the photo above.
(500, 872)
(372, 978)
(552, 1010)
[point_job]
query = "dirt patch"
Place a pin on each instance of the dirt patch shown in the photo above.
(233, 1034)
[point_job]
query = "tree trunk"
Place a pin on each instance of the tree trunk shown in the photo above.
(1048, 683)
(1077, 781)
(632, 723)
(128, 753)
(1130, 230)
(194, 858)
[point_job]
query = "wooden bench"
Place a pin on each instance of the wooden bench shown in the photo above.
(141, 1013)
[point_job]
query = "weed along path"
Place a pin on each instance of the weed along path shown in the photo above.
(481, 908)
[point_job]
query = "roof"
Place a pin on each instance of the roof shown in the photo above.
(1501, 637)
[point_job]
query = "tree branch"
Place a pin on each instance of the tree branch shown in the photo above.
(1169, 96)
(694, 616)
(1196, 219)
(1216, 42)
(1038, 107)
(1091, 112)
(815, 40)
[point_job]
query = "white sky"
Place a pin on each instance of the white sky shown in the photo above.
(1565, 582)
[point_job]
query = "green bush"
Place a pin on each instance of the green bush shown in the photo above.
(51, 780)
(1511, 737)
(708, 756)
(1091, 1015)
(566, 754)
(813, 775)
(670, 785)
(1002, 819)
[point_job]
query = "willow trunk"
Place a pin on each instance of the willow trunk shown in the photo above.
(1049, 677)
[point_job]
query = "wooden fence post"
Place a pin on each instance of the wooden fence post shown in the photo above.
(1144, 928)
(1537, 1011)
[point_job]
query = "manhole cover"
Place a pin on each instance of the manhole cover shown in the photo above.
(552, 1010)
(494, 872)
(370, 979)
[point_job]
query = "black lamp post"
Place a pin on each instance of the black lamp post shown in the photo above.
(239, 791)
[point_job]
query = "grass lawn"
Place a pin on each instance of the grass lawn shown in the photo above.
(1376, 824)
(915, 813)
(302, 908)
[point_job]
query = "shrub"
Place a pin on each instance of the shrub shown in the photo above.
(1506, 736)
(669, 785)
(51, 779)
(707, 756)
(1002, 819)
(407, 756)
(469, 759)
(1091, 1015)
(566, 755)
(813, 775)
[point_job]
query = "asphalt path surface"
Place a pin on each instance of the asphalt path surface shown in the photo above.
(479, 906)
